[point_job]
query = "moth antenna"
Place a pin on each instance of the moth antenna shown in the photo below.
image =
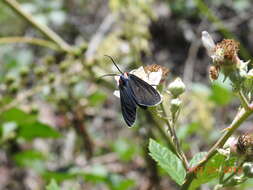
(108, 75)
(114, 64)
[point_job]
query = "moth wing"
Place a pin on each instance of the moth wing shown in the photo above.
(128, 104)
(144, 93)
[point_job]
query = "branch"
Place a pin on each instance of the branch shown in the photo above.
(15, 6)
(179, 150)
(241, 116)
(34, 41)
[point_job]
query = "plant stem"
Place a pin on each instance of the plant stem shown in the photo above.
(175, 139)
(244, 101)
(15, 6)
(241, 116)
(34, 41)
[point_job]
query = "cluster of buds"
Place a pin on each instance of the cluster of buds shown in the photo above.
(225, 59)
(176, 88)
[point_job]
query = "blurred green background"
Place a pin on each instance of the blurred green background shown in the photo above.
(61, 126)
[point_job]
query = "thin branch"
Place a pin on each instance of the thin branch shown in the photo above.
(244, 101)
(241, 116)
(29, 40)
(176, 141)
(15, 6)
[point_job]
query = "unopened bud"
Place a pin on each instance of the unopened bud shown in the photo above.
(177, 87)
(248, 169)
(175, 105)
(24, 72)
(9, 79)
(40, 71)
(245, 145)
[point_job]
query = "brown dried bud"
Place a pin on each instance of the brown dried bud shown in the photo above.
(244, 145)
(214, 72)
(230, 48)
(155, 68)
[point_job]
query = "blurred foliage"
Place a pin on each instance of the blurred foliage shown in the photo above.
(47, 95)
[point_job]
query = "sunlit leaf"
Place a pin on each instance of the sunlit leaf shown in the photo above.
(37, 129)
(53, 185)
(97, 98)
(168, 161)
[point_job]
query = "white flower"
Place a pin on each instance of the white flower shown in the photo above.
(208, 43)
(152, 78)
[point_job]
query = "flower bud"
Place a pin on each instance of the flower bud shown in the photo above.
(64, 66)
(177, 87)
(51, 78)
(245, 145)
(9, 80)
(214, 72)
(248, 169)
(175, 105)
(49, 60)
(13, 88)
(24, 72)
(40, 71)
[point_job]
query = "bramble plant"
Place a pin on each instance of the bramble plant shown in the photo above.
(229, 159)
(56, 113)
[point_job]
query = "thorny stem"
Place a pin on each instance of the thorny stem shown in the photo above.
(244, 101)
(14, 5)
(241, 116)
(171, 128)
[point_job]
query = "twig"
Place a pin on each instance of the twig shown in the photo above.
(29, 40)
(176, 141)
(14, 5)
(244, 101)
(241, 116)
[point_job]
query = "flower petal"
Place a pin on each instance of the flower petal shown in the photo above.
(154, 78)
(208, 43)
(116, 93)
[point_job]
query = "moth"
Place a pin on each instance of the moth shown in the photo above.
(135, 92)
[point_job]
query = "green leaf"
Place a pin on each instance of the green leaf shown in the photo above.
(28, 126)
(18, 116)
(125, 149)
(7, 130)
(116, 182)
(220, 94)
(59, 176)
(198, 157)
(97, 98)
(34, 130)
(209, 172)
(52, 185)
(30, 158)
(168, 161)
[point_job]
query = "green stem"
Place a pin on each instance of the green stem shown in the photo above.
(244, 101)
(175, 139)
(34, 41)
(14, 5)
(241, 116)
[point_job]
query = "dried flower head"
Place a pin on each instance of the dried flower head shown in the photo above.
(229, 47)
(214, 72)
(155, 68)
(244, 145)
